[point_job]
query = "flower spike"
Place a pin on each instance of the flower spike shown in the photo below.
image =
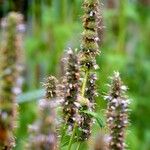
(42, 134)
(117, 112)
(71, 104)
(10, 80)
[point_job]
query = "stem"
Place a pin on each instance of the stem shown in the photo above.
(78, 146)
(74, 8)
(84, 82)
(37, 13)
(63, 8)
(122, 30)
(72, 137)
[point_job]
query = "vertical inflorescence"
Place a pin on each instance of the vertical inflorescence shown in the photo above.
(43, 135)
(89, 51)
(89, 45)
(72, 77)
(117, 113)
(10, 83)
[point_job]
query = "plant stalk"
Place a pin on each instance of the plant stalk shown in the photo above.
(84, 83)
(78, 146)
(72, 136)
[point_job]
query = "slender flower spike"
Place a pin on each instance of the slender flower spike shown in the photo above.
(71, 104)
(88, 53)
(117, 113)
(43, 135)
(89, 45)
(10, 81)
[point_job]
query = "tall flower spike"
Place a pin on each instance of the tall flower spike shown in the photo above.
(89, 51)
(89, 45)
(70, 104)
(117, 113)
(43, 135)
(10, 85)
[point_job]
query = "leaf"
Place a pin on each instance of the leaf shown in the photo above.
(97, 117)
(29, 96)
(66, 140)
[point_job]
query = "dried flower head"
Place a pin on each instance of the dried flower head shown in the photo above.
(71, 104)
(10, 80)
(117, 112)
(42, 134)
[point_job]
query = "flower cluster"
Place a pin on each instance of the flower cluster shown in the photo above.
(117, 113)
(72, 87)
(10, 80)
(43, 135)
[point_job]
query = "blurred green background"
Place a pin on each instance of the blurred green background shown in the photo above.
(54, 25)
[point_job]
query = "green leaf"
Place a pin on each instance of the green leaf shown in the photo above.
(29, 96)
(97, 117)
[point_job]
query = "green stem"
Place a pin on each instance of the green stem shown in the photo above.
(78, 146)
(63, 8)
(74, 9)
(122, 30)
(84, 83)
(72, 137)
